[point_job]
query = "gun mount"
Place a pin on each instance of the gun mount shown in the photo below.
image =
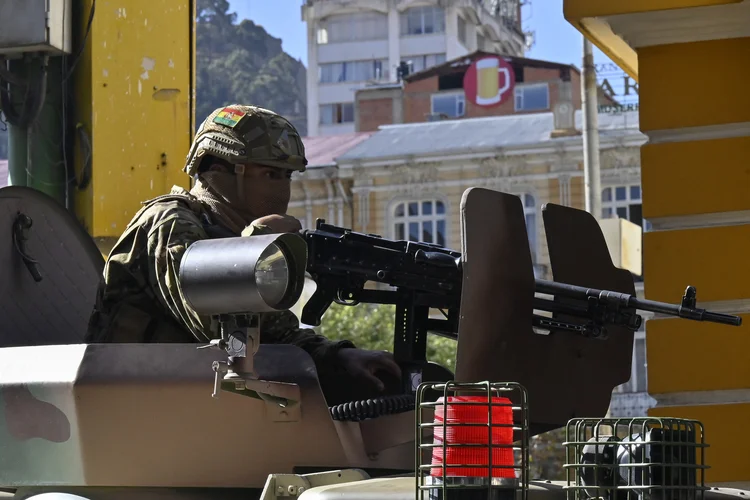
(233, 281)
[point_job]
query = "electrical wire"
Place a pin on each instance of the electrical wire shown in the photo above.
(83, 43)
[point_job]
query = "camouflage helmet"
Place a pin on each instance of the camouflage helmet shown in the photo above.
(243, 134)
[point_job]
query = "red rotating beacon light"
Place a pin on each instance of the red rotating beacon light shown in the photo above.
(466, 441)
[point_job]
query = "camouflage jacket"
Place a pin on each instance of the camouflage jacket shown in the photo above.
(139, 298)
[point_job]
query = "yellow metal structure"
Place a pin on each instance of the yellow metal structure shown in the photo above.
(690, 60)
(136, 101)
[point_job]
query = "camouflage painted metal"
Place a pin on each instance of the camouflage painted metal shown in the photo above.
(241, 134)
(95, 410)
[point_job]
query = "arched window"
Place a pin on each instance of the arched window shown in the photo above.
(422, 220)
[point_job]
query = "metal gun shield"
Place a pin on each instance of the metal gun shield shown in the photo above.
(42, 241)
(566, 375)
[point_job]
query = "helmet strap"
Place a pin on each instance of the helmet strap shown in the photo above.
(239, 171)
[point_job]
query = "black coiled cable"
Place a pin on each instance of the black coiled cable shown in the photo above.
(356, 411)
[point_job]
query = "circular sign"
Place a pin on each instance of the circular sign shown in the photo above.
(489, 81)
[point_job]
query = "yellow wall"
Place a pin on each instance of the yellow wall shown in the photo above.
(134, 86)
(696, 191)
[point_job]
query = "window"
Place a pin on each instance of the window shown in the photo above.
(353, 71)
(423, 21)
(423, 221)
(353, 27)
(532, 97)
(452, 105)
(337, 113)
(419, 63)
(623, 202)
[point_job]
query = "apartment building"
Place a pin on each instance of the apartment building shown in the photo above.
(352, 43)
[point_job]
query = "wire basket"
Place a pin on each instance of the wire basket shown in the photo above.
(462, 453)
(635, 459)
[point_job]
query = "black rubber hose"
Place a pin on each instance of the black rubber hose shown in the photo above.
(356, 411)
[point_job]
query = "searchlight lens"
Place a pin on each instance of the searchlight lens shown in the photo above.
(272, 275)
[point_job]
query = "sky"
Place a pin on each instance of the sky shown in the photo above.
(555, 39)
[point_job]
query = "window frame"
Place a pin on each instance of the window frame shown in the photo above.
(520, 88)
(339, 107)
(613, 204)
(460, 97)
(355, 21)
(377, 65)
(405, 219)
(422, 9)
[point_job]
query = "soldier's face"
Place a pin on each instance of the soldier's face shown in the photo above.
(267, 189)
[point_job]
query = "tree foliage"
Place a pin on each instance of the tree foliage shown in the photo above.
(242, 63)
(371, 327)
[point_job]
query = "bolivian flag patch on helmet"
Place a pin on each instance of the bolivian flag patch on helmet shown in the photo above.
(229, 117)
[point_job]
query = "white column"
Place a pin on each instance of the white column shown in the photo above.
(453, 47)
(340, 210)
(363, 196)
(394, 42)
(313, 111)
(330, 200)
(564, 183)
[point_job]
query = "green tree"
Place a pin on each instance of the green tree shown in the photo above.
(371, 326)
(242, 63)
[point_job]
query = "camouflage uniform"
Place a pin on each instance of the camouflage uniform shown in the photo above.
(139, 298)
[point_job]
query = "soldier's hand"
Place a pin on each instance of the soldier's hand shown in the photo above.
(278, 223)
(363, 364)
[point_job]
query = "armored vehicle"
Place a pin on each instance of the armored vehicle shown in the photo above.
(114, 421)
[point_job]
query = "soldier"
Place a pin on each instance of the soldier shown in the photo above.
(241, 159)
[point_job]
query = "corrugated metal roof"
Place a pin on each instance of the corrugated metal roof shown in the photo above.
(321, 150)
(3, 173)
(473, 135)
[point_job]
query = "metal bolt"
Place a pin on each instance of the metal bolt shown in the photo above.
(280, 490)
(291, 489)
(301, 490)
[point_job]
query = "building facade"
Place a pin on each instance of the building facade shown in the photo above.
(355, 42)
(405, 181)
(438, 93)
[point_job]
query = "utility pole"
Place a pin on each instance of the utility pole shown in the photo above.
(590, 102)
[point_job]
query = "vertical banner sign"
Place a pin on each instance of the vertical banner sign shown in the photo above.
(489, 81)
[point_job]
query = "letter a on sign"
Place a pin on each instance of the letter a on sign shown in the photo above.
(489, 81)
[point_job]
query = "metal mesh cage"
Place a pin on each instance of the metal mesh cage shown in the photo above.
(635, 459)
(472, 441)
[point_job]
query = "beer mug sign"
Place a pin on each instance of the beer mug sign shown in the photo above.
(489, 81)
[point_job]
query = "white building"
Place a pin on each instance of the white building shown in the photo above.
(355, 42)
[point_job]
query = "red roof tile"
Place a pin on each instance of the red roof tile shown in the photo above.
(322, 150)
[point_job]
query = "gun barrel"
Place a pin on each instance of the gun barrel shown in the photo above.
(626, 300)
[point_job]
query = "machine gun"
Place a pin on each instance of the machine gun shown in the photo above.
(425, 276)
(229, 277)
